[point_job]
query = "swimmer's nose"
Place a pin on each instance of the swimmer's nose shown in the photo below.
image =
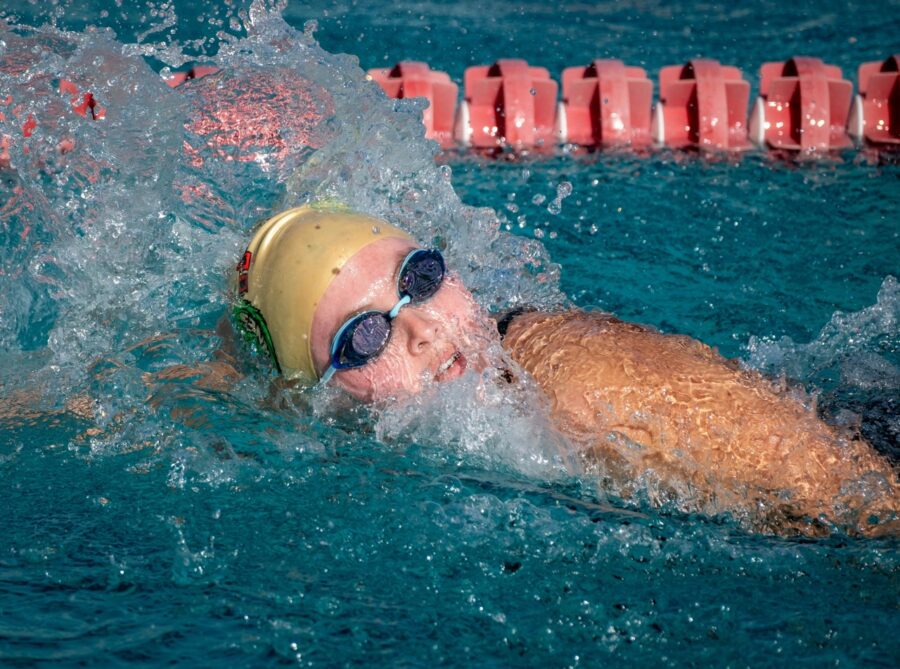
(420, 327)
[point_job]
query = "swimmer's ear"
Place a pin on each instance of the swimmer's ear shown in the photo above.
(253, 328)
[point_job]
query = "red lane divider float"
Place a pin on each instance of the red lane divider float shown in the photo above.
(83, 104)
(175, 79)
(802, 106)
(410, 79)
(875, 116)
(702, 104)
(605, 104)
(507, 104)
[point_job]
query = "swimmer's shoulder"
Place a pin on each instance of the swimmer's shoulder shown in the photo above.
(522, 322)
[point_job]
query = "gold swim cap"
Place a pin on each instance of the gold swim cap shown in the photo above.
(290, 262)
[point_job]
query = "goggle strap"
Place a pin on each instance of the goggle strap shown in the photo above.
(326, 377)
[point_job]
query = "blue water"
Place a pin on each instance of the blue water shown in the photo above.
(255, 527)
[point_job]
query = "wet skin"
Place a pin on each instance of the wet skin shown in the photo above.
(633, 400)
(436, 340)
(638, 401)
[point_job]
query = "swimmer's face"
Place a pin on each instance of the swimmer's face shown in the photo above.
(432, 341)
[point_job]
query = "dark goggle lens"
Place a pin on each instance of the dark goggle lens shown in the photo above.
(361, 340)
(422, 275)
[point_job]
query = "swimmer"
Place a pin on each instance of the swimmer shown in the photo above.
(339, 298)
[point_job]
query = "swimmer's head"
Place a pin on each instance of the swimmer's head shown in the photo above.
(286, 269)
(310, 275)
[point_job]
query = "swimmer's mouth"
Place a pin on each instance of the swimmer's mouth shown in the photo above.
(453, 367)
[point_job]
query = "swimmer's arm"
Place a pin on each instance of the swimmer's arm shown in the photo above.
(698, 417)
(220, 373)
(22, 408)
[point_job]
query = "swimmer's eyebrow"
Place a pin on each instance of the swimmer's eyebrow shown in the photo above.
(393, 279)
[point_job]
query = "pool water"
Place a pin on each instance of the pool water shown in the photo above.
(194, 524)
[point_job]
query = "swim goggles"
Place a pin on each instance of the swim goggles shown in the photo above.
(363, 337)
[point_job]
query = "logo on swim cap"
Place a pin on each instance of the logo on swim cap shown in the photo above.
(243, 270)
(254, 330)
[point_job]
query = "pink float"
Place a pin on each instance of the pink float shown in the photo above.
(410, 79)
(83, 104)
(802, 106)
(197, 72)
(875, 115)
(605, 104)
(507, 104)
(701, 104)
